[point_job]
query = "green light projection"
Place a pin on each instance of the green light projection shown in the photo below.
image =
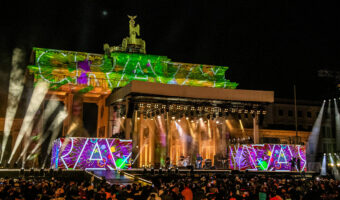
(60, 67)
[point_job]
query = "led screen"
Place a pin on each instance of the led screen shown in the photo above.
(91, 153)
(266, 157)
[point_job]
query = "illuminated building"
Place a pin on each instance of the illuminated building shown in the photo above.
(167, 108)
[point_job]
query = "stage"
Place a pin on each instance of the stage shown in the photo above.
(139, 171)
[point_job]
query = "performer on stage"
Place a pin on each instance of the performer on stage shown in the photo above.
(199, 161)
(298, 164)
(181, 161)
(292, 164)
(167, 163)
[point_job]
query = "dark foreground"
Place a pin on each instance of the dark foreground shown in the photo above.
(165, 185)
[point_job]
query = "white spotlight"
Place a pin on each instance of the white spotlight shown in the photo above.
(38, 96)
(16, 86)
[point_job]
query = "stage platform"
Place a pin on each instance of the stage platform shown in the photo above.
(182, 171)
(114, 177)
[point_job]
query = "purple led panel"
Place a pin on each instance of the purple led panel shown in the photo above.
(91, 153)
(266, 157)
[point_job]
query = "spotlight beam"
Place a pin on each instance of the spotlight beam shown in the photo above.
(16, 86)
(337, 126)
(335, 170)
(324, 166)
(314, 136)
(37, 97)
(50, 108)
(55, 125)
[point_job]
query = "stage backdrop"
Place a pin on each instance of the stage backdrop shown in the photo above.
(91, 153)
(266, 157)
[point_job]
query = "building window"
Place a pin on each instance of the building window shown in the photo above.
(310, 128)
(330, 148)
(329, 132)
(281, 112)
(323, 131)
(290, 113)
(299, 113)
(309, 114)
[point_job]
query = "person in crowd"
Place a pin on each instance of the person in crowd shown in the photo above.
(172, 187)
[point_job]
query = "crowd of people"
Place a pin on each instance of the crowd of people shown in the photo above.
(169, 187)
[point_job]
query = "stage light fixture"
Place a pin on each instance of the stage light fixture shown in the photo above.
(177, 171)
(32, 171)
(22, 171)
(42, 171)
(138, 118)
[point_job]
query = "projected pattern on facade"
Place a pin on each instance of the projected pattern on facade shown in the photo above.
(117, 69)
(91, 153)
(266, 157)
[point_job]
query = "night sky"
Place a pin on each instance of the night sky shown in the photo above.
(268, 45)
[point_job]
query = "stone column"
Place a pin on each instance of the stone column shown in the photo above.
(256, 133)
(68, 102)
(102, 118)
